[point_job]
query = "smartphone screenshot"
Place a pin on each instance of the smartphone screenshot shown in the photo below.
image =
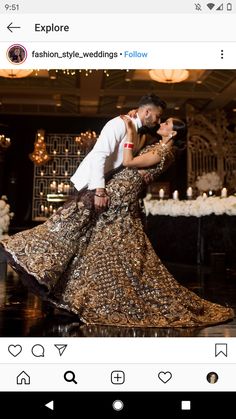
(117, 208)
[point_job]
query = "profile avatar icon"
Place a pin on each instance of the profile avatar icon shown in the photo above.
(212, 377)
(16, 54)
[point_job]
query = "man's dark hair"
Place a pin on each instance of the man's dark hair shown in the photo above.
(152, 99)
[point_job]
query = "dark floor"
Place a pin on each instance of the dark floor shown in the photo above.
(23, 314)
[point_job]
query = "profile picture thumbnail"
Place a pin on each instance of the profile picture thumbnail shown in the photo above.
(16, 54)
(212, 377)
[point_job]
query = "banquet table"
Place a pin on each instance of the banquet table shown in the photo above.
(193, 231)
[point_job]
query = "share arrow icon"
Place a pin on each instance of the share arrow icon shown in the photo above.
(61, 348)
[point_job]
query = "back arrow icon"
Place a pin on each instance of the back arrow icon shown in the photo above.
(12, 27)
(50, 405)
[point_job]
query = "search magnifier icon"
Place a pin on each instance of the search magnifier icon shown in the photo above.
(69, 376)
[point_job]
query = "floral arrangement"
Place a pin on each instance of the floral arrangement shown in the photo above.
(209, 182)
(195, 208)
(5, 216)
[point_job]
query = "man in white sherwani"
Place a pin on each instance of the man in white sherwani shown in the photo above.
(107, 153)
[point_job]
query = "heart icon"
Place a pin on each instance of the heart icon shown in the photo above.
(14, 350)
(165, 376)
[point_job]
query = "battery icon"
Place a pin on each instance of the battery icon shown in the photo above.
(229, 7)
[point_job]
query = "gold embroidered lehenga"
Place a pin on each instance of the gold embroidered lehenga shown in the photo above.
(103, 267)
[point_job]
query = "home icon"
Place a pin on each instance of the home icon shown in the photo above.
(23, 378)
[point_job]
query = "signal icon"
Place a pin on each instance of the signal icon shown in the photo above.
(210, 6)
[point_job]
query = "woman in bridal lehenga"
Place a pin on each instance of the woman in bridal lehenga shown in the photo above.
(101, 266)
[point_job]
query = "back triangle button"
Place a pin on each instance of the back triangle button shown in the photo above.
(50, 405)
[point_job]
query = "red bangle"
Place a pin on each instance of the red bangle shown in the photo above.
(128, 145)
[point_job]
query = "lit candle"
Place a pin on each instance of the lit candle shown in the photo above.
(175, 195)
(60, 187)
(161, 193)
(42, 208)
(189, 192)
(210, 193)
(224, 193)
(46, 210)
(53, 186)
(66, 188)
(50, 208)
(204, 195)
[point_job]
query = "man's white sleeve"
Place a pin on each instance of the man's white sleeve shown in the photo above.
(111, 135)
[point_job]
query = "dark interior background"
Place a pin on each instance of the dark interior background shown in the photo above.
(17, 182)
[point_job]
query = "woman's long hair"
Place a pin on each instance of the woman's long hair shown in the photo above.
(181, 133)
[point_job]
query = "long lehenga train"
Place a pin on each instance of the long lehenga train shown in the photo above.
(103, 267)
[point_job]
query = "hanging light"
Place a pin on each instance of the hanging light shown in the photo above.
(15, 74)
(4, 141)
(169, 76)
(40, 154)
(89, 72)
(86, 141)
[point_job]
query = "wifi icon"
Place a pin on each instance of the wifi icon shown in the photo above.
(210, 6)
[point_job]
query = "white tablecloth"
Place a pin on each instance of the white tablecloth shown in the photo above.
(196, 208)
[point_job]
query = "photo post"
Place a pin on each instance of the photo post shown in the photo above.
(118, 200)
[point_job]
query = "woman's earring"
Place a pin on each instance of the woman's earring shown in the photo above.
(170, 136)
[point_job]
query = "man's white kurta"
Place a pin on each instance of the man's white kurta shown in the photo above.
(106, 155)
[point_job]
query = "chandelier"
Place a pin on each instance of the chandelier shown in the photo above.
(169, 76)
(4, 141)
(39, 155)
(86, 141)
(15, 74)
